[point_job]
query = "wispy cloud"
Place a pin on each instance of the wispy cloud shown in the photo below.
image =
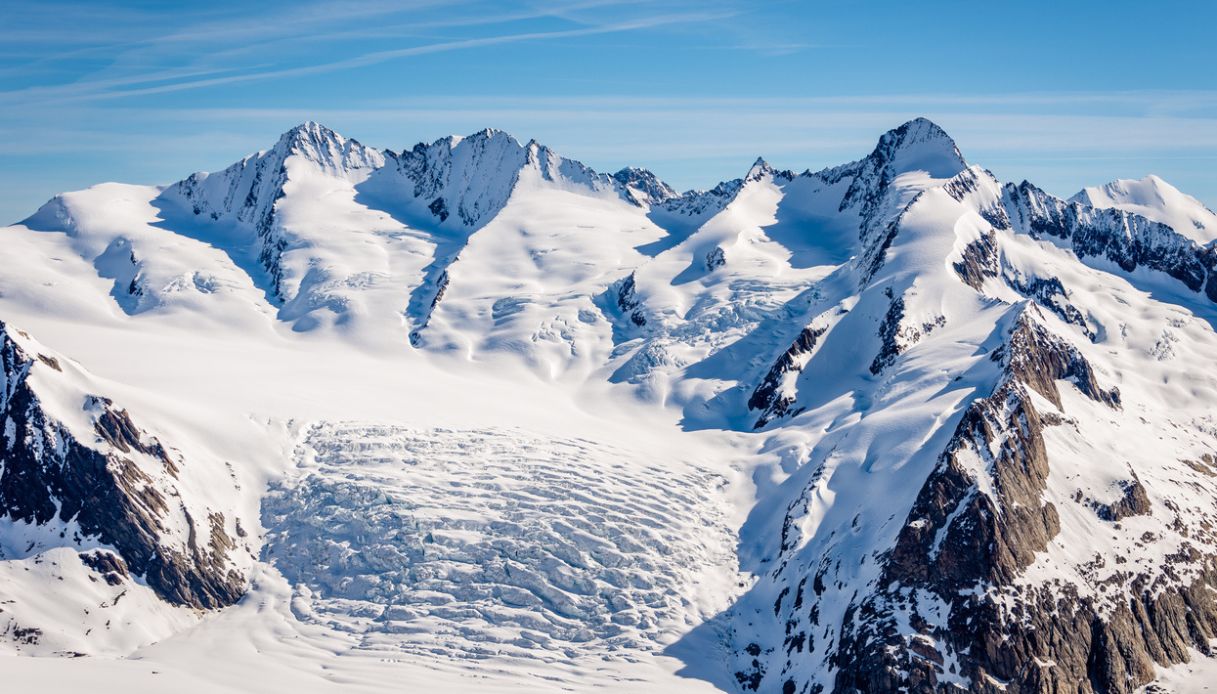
(375, 57)
(326, 22)
(692, 88)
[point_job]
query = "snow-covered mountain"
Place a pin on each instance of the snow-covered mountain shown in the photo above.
(472, 415)
(1153, 198)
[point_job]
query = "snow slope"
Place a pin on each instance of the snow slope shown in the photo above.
(1153, 198)
(476, 417)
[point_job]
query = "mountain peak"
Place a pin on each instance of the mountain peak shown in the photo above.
(1155, 199)
(760, 168)
(487, 135)
(921, 128)
(309, 130)
(652, 188)
(309, 126)
(1150, 190)
(327, 149)
(920, 144)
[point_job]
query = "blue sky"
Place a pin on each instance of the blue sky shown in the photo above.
(1063, 93)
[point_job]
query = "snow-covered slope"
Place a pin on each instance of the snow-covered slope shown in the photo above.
(470, 415)
(1153, 198)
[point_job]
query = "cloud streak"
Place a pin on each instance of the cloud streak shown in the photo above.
(692, 88)
(323, 22)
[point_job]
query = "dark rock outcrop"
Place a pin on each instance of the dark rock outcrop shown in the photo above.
(1050, 294)
(978, 261)
(1133, 501)
(1125, 239)
(966, 542)
(650, 188)
(49, 475)
(889, 332)
(702, 204)
(627, 301)
(768, 397)
(1035, 357)
(896, 334)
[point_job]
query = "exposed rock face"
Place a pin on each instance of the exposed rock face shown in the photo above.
(627, 301)
(704, 204)
(1125, 239)
(441, 174)
(645, 186)
(1003, 432)
(972, 183)
(896, 333)
(873, 255)
(889, 333)
(773, 396)
(1133, 501)
(978, 261)
(466, 181)
(979, 520)
(1037, 358)
(1050, 294)
(981, 260)
(951, 609)
(441, 286)
(49, 475)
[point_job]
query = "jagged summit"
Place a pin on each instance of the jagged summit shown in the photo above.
(906, 161)
(325, 148)
(462, 177)
(500, 137)
(468, 178)
(645, 185)
(465, 181)
(309, 128)
(759, 169)
(920, 144)
(919, 129)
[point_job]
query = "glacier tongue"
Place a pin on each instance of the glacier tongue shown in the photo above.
(491, 544)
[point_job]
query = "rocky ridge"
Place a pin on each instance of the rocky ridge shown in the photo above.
(113, 486)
